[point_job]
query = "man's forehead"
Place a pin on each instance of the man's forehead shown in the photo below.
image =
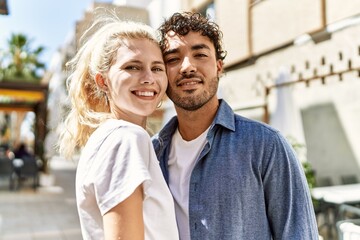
(175, 40)
(171, 36)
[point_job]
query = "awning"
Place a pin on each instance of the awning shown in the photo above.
(22, 96)
(16, 96)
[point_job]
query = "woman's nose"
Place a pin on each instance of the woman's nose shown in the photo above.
(147, 78)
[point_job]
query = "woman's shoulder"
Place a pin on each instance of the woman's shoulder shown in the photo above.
(117, 134)
(122, 128)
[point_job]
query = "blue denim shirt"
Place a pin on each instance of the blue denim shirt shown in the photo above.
(247, 183)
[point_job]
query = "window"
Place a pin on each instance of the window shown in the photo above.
(209, 11)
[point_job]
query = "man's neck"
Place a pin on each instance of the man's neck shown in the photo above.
(193, 123)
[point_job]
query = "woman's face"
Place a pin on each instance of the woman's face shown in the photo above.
(137, 80)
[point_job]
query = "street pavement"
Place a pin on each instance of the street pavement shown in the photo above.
(49, 213)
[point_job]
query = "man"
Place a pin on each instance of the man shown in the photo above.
(231, 177)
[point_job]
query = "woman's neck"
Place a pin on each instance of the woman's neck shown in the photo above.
(135, 119)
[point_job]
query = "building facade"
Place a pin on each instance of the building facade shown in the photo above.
(292, 64)
(296, 66)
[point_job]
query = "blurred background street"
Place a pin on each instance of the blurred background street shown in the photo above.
(47, 213)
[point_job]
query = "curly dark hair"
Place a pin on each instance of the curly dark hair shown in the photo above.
(183, 23)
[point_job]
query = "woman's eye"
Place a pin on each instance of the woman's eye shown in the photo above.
(132, 68)
(158, 69)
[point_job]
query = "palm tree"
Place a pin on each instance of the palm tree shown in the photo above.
(21, 63)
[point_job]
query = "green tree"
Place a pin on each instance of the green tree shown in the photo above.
(20, 62)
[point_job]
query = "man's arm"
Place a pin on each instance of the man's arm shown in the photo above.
(289, 205)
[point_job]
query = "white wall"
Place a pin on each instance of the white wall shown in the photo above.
(332, 137)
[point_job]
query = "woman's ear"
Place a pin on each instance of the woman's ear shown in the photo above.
(101, 82)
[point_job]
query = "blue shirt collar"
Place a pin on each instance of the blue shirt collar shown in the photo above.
(224, 117)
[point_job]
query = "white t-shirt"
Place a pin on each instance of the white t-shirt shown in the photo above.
(117, 158)
(182, 160)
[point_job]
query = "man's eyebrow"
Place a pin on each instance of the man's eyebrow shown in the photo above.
(200, 46)
(170, 51)
(194, 47)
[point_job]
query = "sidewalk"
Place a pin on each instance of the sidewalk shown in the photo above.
(46, 214)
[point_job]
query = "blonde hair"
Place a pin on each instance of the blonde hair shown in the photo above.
(89, 105)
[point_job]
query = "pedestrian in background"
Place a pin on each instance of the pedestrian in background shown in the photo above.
(21, 151)
(117, 79)
(231, 177)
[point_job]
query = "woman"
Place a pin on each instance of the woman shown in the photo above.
(118, 79)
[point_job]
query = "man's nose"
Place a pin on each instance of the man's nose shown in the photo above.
(187, 66)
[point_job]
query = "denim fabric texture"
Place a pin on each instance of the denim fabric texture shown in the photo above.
(247, 183)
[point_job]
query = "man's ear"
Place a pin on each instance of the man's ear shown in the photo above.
(101, 82)
(219, 66)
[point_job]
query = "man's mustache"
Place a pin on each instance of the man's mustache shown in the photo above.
(187, 76)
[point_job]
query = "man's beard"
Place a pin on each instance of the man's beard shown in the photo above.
(194, 102)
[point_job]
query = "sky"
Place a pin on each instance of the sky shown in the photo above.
(46, 22)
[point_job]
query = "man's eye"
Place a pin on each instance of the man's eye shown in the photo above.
(171, 60)
(201, 55)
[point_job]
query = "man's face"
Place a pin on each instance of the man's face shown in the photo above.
(192, 70)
